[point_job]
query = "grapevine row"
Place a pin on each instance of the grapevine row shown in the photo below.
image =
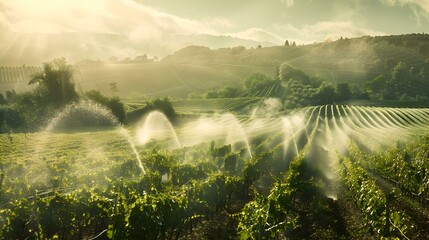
(407, 168)
(372, 202)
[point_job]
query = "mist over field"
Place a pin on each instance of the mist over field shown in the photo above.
(280, 119)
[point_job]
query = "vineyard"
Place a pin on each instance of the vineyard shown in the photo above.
(153, 79)
(323, 172)
(198, 106)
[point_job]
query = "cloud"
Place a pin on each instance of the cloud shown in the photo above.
(137, 28)
(321, 31)
(420, 8)
(125, 17)
(218, 22)
(289, 3)
(258, 34)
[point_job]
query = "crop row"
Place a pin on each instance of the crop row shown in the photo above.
(207, 105)
(122, 210)
(373, 203)
(17, 74)
(407, 168)
(270, 217)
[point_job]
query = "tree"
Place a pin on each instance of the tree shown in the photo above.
(161, 104)
(425, 68)
(114, 88)
(97, 97)
(10, 96)
(399, 83)
(287, 43)
(211, 94)
(55, 83)
(343, 91)
(376, 85)
(2, 99)
(10, 119)
(293, 44)
(256, 83)
(113, 104)
(288, 72)
(33, 109)
(326, 94)
(117, 107)
(229, 92)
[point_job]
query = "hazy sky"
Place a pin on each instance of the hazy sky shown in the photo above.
(304, 21)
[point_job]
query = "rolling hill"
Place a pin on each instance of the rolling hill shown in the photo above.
(198, 68)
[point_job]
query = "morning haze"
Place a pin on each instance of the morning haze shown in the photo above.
(280, 119)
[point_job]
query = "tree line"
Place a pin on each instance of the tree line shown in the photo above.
(292, 86)
(399, 81)
(295, 88)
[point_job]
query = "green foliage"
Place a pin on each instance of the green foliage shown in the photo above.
(270, 217)
(160, 162)
(256, 82)
(74, 205)
(405, 167)
(344, 92)
(326, 94)
(55, 83)
(114, 104)
(225, 92)
(35, 111)
(298, 95)
(117, 108)
(400, 82)
(55, 89)
(10, 96)
(231, 162)
(2, 99)
(255, 85)
(10, 119)
(229, 92)
(288, 72)
(369, 198)
(163, 105)
(182, 174)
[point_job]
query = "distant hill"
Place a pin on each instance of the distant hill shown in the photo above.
(198, 68)
(345, 60)
(17, 49)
